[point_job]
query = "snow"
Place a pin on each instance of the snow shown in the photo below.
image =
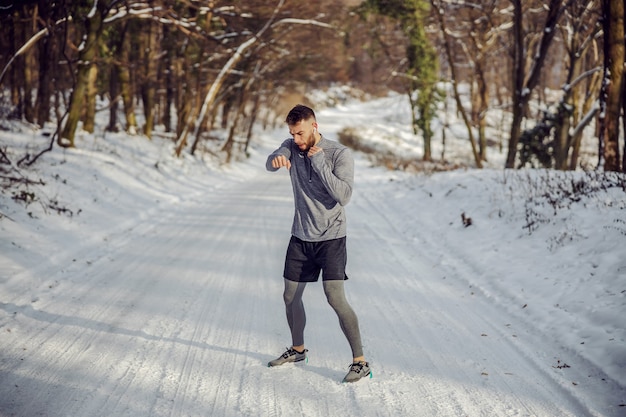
(135, 283)
(93, 11)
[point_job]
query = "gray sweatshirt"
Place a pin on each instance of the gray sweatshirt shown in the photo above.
(322, 186)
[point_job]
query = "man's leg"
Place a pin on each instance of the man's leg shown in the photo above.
(294, 307)
(296, 319)
(348, 320)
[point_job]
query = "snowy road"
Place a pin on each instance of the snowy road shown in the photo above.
(178, 316)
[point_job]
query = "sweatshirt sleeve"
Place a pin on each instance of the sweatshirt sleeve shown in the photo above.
(339, 179)
(284, 149)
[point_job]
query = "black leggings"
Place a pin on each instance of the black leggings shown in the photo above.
(336, 297)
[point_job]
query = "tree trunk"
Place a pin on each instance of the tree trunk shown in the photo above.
(21, 78)
(613, 11)
(457, 97)
(114, 96)
(169, 100)
(483, 104)
(89, 121)
(590, 92)
(15, 80)
(29, 65)
(93, 26)
(415, 115)
(123, 76)
(518, 83)
(167, 70)
(522, 89)
(229, 145)
(561, 138)
(148, 87)
(252, 121)
(561, 134)
(186, 93)
(47, 68)
(624, 84)
(195, 110)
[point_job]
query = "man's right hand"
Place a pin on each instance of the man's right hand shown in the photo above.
(281, 161)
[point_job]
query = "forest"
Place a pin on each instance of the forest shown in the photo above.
(187, 69)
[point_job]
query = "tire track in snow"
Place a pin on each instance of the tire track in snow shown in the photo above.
(104, 316)
(226, 274)
(180, 317)
(69, 326)
(444, 319)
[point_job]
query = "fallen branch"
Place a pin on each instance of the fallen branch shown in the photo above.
(23, 180)
(4, 159)
(4, 215)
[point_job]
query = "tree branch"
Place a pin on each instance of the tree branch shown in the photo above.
(227, 69)
(29, 43)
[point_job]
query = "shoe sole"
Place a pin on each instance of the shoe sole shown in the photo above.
(306, 359)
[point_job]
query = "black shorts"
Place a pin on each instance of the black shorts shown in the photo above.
(305, 260)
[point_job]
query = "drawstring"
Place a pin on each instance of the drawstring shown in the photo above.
(308, 165)
(308, 161)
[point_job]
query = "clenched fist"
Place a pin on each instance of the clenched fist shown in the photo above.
(313, 150)
(281, 161)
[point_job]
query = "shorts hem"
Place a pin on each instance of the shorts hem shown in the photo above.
(299, 279)
(335, 278)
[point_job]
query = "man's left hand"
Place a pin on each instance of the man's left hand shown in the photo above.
(313, 150)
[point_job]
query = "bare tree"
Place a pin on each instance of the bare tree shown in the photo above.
(152, 36)
(579, 31)
(476, 32)
(213, 64)
(447, 43)
(235, 58)
(612, 87)
(523, 83)
(86, 62)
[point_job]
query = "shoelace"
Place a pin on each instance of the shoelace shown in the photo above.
(357, 367)
(291, 352)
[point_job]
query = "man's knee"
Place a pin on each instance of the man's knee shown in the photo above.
(335, 294)
(293, 291)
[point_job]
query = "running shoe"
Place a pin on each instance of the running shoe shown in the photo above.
(357, 371)
(290, 355)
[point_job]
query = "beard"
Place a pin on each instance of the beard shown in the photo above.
(309, 143)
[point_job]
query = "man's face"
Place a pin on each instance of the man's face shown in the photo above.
(302, 133)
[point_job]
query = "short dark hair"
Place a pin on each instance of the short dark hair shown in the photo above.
(298, 113)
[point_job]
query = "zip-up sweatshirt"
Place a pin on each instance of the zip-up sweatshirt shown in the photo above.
(322, 186)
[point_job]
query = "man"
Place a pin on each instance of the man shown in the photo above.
(322, 174)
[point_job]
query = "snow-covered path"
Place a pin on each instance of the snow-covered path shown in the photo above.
(178, 316)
